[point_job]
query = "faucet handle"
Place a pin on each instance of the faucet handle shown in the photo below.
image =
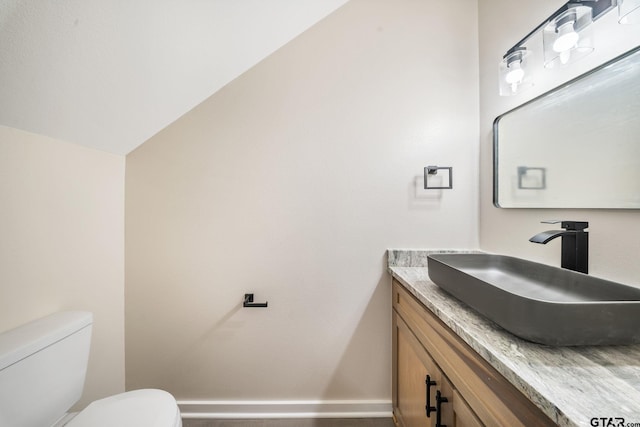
(569, 225)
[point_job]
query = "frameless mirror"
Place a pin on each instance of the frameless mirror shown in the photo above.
(577, 146)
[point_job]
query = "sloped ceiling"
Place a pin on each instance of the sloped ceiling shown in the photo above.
(110, 74)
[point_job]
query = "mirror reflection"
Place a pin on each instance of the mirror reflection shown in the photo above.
(577, 146)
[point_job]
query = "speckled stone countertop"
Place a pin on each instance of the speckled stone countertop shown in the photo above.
(571, 385)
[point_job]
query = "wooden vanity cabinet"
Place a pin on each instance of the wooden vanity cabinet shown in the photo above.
(418, 381)
(472, 393)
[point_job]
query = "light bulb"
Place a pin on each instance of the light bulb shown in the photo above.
(515, 74)
(565, 57)
(567, 37)
(513, 71)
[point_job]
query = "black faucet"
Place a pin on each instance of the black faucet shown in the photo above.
(575, 243)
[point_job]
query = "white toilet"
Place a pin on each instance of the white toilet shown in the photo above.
(42, 369)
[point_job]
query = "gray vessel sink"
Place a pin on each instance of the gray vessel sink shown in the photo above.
(540, 303)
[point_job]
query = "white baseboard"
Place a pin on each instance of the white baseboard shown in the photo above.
(217, 409)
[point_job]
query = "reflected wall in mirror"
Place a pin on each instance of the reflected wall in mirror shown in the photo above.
(577, 146)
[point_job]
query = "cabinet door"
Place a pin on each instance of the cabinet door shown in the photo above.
(452, 409)
(412, 367)
(445, 415)
(463, 415)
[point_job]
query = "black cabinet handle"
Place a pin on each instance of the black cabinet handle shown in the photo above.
(439, 401)
(428, 406)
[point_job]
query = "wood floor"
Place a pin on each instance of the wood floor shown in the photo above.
(319, 422)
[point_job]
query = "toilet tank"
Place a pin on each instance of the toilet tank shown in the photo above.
(42, 368)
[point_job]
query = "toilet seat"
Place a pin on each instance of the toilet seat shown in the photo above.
(139, 408)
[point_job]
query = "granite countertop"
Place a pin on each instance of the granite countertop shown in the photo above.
(571, 385)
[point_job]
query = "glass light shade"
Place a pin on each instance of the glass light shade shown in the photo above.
(629, 11)
(513, 72)
(568, 36)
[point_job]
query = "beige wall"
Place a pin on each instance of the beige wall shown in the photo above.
(291, 182)
(614, 243)
(62, 228)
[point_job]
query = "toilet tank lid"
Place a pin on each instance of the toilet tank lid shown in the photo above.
(21, 342)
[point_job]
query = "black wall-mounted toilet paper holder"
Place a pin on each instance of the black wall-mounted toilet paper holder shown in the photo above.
(248, 302)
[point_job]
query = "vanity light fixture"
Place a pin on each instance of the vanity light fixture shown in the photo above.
(513, 71)
(567, 35)
(629, 11)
